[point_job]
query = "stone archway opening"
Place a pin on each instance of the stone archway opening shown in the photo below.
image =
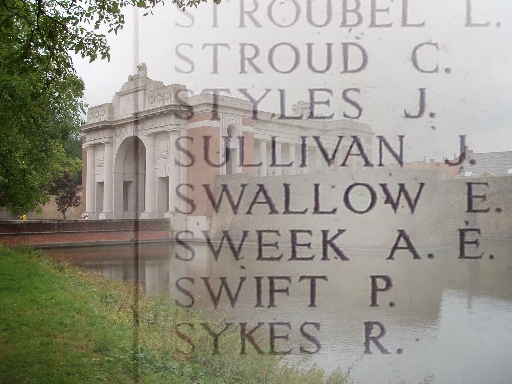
(129, 179)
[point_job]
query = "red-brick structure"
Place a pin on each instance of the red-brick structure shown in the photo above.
(59, 233)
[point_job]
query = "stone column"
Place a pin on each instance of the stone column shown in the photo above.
(291, 157)
(90, 190)
(263, 158)
(319, 160)
(108, 185)
(278, 171)
(174, 175)
(305, 170)
(178, 220)
(150, 187)
(238, 165)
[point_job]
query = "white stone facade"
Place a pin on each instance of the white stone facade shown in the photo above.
(154, 138)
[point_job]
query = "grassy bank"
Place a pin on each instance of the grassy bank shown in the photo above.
(61, 324)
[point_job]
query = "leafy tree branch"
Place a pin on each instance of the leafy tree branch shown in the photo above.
(41, 96)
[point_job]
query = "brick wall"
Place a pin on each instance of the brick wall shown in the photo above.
(49, 233)
(49, 211)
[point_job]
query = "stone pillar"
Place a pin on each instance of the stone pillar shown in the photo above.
(90, 190)
(291, 157)
(305, 170)
(321, 165)
(108, 185)
(263, 158)
(178, 220)
(174, 176)
(311, 160)
(238, 165)
(150, 188)
(278, 171)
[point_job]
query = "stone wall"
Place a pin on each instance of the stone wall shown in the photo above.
(48, 212)
(54, 233)
(342, 199)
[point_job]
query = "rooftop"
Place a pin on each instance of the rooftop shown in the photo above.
(487, 164)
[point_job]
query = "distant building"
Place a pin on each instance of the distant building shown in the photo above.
(149, 153)
(474, 165)
(486, 164)
(443, 170)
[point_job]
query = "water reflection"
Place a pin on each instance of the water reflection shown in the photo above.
(446, 316)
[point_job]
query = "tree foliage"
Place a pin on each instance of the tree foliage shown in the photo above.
(57, 26)
(73, 147)
(41, 96)
(66, 189)
(73, 150)
(38, 112)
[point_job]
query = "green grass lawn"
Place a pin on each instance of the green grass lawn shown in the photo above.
(61, 324)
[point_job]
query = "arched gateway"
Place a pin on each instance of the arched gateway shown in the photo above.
(148, 153)
(129, 179)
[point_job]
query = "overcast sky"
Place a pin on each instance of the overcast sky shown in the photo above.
(467, 78)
